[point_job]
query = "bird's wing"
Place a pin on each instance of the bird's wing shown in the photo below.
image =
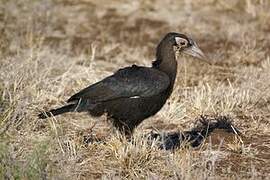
(128, 82)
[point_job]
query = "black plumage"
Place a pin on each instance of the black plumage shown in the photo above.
(134, 93)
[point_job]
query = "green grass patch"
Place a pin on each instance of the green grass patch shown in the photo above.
(37, 165)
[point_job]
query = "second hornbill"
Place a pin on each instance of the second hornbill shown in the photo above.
(133, 93)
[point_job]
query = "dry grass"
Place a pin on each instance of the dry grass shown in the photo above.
(50, 49)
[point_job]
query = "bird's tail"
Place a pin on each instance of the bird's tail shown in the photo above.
(55, 112)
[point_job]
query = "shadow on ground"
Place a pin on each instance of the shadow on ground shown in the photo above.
(204, 127)
(196, 136)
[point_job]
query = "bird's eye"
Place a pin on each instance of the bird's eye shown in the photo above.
(183, 43)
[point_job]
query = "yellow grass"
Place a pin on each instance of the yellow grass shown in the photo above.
(50, 49)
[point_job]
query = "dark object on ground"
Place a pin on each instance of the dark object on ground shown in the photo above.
(133, 93)
(194, 137)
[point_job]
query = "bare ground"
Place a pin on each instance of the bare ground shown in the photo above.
(49, 49)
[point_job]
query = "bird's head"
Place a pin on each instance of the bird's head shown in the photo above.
(184, 44)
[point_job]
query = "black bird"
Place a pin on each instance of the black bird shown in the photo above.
(134, 93)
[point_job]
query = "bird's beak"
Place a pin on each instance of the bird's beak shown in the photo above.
(195, 51)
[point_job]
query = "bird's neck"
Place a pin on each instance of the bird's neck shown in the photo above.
(166, 61)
